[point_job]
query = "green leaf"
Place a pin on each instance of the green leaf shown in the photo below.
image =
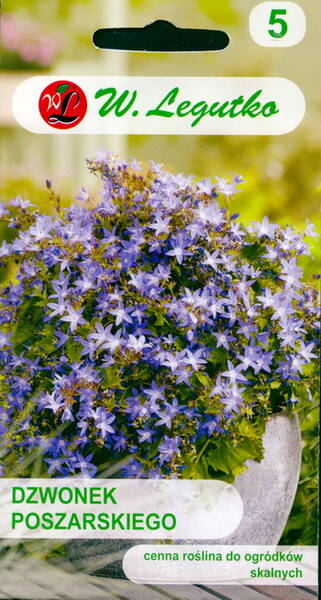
(29, 321)
(221, 475)
(201, 378)
(46, 344)
(112, 379)
(73, 350)
(231, 459)
(46, 340)
(253, 428)
(197, 470)
(160, 320)
(253, 251)
(61, 89)
(218, 356)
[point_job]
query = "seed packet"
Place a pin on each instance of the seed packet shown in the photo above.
(159, 308)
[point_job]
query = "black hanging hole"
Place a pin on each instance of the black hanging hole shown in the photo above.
(161, 36)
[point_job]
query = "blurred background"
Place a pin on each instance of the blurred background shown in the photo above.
(282, 174)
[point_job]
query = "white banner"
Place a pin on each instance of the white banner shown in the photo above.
(222, 565)
(118, 509)
(159, 105)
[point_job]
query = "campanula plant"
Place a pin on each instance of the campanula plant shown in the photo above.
(150, 327)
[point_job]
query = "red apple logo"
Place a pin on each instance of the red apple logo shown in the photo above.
(63, 104)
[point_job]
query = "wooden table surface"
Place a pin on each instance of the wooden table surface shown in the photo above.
(32, 579)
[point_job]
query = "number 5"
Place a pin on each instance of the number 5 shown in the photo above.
(276, 20)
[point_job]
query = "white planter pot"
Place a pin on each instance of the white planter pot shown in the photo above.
(267, 489)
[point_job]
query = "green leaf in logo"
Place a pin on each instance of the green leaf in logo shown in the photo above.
(61, 89)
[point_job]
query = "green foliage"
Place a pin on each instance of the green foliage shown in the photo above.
(302, 526)
(252, 252)
(230, 460)
(29, 322)
(222, 13)
(112, 379)
(73, 350)
(225, 457)
(47, 340)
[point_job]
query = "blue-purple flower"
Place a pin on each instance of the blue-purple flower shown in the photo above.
(148, 326)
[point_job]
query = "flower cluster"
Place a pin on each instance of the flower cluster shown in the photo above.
(149, 327)
(24, 38)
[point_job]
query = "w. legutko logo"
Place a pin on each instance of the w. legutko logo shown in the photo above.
(63, 104)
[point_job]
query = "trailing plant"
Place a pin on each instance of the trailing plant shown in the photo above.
(150, 327)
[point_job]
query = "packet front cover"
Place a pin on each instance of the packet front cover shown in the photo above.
(159, 299)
